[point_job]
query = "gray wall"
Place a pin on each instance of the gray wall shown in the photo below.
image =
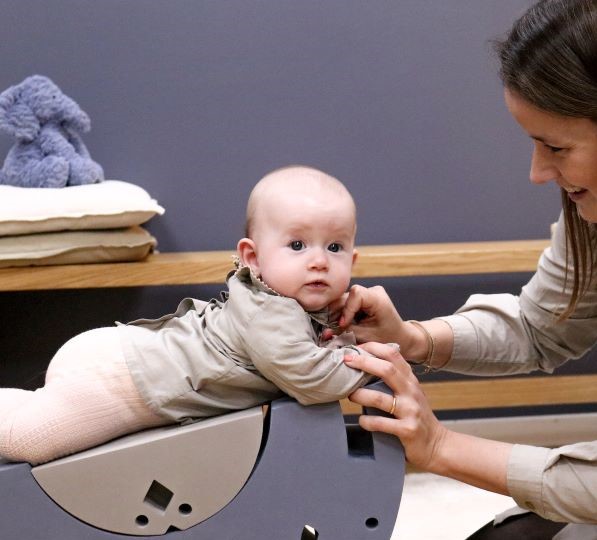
(195, 100)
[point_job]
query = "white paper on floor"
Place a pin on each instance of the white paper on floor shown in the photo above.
(434, 507)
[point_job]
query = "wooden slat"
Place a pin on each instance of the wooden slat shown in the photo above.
(449, 258)
(504, 392)
(348, 407)
(157, 269)
(212, 266)
(512, 392)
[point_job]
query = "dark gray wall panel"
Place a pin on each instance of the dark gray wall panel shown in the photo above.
(195, 100)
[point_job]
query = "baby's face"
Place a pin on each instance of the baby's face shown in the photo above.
(305, 245)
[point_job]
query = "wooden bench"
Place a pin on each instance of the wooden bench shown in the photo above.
(211, 267)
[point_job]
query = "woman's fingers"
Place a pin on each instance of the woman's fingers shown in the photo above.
(375, 400)
(379, 368)
(380, 423)
(412, 419)
(370, 314)
(385, 351)
(337, 307)
(384, 402)
(386, 363)
(363, 303)
(354, 303)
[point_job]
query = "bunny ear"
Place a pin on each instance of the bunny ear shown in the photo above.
(17, 118)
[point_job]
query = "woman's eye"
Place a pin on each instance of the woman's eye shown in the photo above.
(554, 149)
(296, 245)
(334, 247)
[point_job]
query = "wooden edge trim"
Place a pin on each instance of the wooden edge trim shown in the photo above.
(211, 267)
(511, 392)
(504, 392)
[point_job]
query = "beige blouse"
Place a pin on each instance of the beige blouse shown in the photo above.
(503, 334)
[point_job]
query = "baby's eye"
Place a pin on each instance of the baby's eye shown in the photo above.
(296, 245)
(334, 247)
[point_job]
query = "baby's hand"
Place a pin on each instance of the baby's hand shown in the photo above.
(327, 334)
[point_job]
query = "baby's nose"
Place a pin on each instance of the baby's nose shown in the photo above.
(319, 259)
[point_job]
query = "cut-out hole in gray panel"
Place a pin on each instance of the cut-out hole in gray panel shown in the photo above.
(359, 440)
(185, 509)
(371, 523)
(158, 495)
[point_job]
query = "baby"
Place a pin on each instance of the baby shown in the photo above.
(262, 340)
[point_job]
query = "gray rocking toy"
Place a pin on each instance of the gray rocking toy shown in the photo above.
(283, 472)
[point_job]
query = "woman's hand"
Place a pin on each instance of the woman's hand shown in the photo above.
(428, 445)
(370, 314)
(414, 423)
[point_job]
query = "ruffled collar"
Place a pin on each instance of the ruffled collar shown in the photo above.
(245, 274)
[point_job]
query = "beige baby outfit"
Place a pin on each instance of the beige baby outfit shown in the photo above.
(206, 359)
(212, 357)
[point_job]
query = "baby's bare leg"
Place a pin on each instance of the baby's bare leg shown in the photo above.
(89, 398)
(11, 399)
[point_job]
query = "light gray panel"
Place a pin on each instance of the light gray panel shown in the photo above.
(147, 482)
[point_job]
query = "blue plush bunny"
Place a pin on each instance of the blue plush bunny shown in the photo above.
(49, 150)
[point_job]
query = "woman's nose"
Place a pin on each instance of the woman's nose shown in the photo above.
(542, 168)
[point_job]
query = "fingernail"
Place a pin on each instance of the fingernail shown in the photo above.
(395, 346)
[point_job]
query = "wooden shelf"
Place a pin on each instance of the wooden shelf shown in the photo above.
(208, 267)
(497, 392)
(511, 392)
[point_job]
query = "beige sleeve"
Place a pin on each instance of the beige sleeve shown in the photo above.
(559, 484)
(506, 334)
(282, 346)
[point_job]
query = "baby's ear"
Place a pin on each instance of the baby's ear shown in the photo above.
(247, 252)
(355, 256)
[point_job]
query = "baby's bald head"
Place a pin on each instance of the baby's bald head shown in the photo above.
(295, 181)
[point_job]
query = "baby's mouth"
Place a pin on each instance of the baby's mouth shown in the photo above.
(317, 284)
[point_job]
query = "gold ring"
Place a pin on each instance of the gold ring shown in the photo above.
(391, 411)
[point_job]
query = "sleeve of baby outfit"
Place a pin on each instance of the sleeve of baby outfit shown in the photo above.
(559, 484)
(282, 346)
(506, 334)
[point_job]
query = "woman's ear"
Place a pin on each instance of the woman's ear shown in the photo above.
(247, 252)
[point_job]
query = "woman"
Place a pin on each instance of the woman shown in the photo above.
(549, 71)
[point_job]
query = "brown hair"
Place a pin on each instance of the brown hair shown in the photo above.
(549, 58)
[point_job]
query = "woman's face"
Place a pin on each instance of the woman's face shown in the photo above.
(565, 151)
